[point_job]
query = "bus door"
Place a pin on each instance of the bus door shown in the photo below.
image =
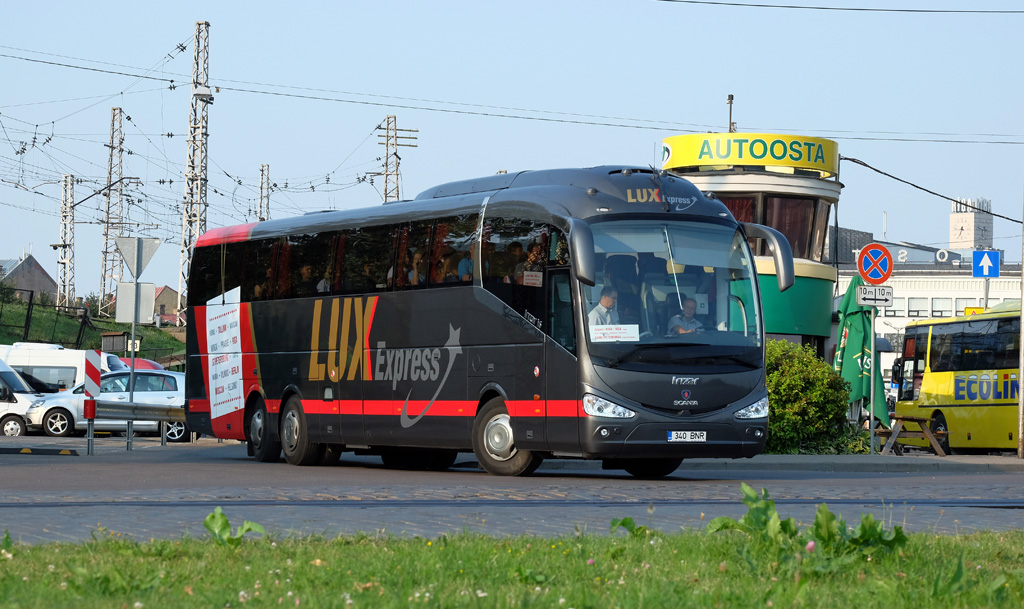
(561, 366)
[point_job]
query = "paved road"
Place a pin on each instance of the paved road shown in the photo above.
(165, 492)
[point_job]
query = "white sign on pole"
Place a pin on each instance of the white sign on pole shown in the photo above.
(874, 296)
(124, 308)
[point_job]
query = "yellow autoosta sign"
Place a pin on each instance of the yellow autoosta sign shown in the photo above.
(761, 149)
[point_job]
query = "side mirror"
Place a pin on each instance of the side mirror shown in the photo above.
(5, 394)
(781, 252)
(581, 240)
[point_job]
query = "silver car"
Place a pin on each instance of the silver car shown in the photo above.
(61, 414)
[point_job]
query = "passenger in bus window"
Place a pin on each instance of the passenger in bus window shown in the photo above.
(306, 285)
(685, 323)
(261, 291)
(604, 313)
(466, 266)
(417, 276)
(534, 262)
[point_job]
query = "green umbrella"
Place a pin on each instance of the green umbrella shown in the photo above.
(853, 352)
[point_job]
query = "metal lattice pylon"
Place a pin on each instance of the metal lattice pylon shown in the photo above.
(66, 247)
(113, 222)
(193, 217)
(263, 213)
(391, 141)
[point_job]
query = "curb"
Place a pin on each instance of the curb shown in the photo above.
(924, 463)
(38, 451)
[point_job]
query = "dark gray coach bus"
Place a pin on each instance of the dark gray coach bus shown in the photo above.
(605, 313)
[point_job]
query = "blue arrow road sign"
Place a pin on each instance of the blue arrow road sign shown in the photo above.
(986, 264)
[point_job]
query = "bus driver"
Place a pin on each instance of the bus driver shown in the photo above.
(604, 313)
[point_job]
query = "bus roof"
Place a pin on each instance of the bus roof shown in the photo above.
(550, 195)
(999, 311)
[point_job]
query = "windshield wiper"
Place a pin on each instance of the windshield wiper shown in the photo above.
(614, 362)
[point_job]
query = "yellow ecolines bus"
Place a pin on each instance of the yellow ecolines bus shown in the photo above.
(962, 372)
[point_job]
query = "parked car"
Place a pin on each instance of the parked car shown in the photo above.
(16, 397)
(52, 368)
(61, 414)
(141, 363)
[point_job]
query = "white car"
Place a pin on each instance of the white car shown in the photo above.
(15, 400)
(61, 414)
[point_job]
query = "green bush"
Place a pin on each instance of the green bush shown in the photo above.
(808, 402)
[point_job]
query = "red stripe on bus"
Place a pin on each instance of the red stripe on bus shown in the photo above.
(199, 405)
(440, 408)
(226, 234)
(565, 408)
(525, 408)
(366, 339)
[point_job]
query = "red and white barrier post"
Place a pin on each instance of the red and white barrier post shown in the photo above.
(92, 391)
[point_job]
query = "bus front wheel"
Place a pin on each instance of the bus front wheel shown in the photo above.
(298, 450)
(264, 448)
(939, 424)
(494, 445)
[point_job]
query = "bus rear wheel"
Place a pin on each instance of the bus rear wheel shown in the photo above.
(650, 469)
(298, 450)
(494, 445)
(264, 448)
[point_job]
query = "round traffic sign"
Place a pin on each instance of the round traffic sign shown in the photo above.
(874, 263)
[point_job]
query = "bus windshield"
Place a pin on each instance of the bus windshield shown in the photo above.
(672, 291)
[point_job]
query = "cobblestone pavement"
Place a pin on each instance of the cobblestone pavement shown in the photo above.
(165, 492)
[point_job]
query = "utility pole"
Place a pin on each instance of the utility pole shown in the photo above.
(113, 221)
(193, 217)
(66, 247)
(263, 212)
(732, 125)
(391, 140)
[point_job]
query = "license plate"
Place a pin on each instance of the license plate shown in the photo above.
(687, 436)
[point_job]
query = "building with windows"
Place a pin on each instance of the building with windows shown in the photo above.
(930, 282)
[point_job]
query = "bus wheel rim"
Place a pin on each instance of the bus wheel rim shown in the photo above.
(290, 430)
(256, 427)
(498, 438)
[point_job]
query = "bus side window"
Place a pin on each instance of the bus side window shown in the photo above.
(453, 251)
(204, 275)
(256, 274)
(370, 254)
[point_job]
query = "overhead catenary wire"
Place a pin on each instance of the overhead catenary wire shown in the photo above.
(931, 192)
(858, 9)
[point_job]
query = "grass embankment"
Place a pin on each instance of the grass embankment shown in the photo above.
(757, 561)
(50, 326)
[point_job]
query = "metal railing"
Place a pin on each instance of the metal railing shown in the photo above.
(130, 412)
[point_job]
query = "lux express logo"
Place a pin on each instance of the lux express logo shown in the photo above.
(348, 327)
(654, 195)
(419, 366)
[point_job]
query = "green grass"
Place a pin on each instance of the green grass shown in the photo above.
(752, 562)
(48, 326)
(686, 569)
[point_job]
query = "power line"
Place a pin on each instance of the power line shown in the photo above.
(854, 9)
(931, 192)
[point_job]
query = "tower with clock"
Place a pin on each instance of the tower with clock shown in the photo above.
(970, 225)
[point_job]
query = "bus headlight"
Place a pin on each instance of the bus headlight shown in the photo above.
(757, 410)
(600, 407)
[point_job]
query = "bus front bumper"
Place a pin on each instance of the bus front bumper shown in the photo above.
(609, 438)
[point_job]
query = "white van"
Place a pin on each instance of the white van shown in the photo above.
(52, 368)
(15, 399)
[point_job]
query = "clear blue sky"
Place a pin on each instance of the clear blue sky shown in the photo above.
(932, 98)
